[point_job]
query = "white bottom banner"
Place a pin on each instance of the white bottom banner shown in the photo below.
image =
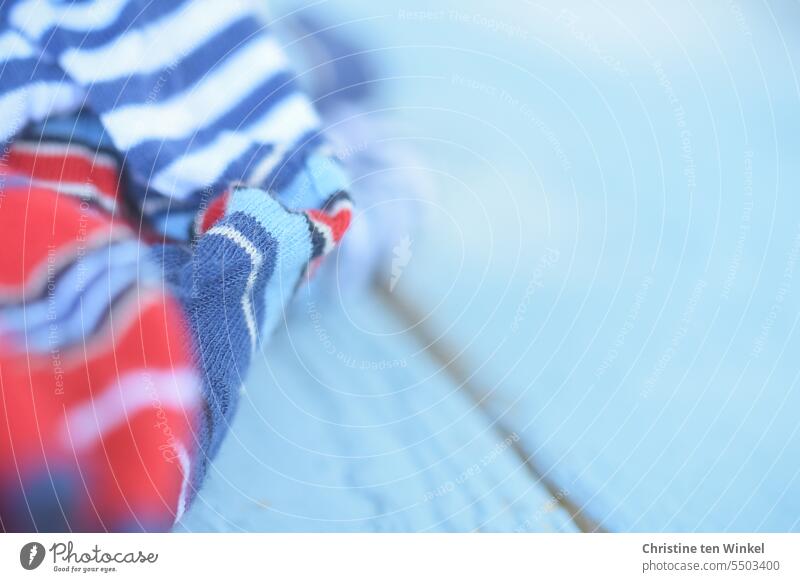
(378, 557)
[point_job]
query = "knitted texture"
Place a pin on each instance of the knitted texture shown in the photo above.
(163, 192)
(121, 359)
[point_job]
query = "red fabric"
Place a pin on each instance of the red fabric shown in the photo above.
(338, 222)
(119, 468)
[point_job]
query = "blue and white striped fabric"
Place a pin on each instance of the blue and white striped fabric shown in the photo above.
(193, 94)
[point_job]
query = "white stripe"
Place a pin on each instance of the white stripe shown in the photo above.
(13, 106)
(84, 190)
(14, 46)
(201, 104)
(194, 171)
(186, 469)
(156, 46)
(265, 166)
(36, 17)
(327, 234)
(286, 122)
(282, 124)
(115, 406)
(79, 189)
(36, 101)
(51, 98)
(256, 261)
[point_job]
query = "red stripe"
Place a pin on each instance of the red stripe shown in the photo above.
(37, 229)
(212, 214)
(338, 223)
(69, 167)
(131, 473)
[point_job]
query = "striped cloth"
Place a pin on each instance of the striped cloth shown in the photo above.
(163, 190)
(193, 94)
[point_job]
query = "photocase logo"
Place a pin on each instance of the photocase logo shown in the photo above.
(401, 257)
(31, 555)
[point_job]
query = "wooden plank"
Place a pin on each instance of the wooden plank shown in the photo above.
(324, 442)
(648, 367)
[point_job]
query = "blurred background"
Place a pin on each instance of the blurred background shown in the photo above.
(585, 229)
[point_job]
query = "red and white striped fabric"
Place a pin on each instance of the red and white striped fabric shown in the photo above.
(99, 431)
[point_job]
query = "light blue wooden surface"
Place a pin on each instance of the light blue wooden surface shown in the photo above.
(616, 255)
(650, 367)
(609, 257)
(320, 445)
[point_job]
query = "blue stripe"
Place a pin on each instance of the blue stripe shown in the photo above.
(176, 219)
(320, 179)
(175, 224)
(242, 165)
(92, 306)
(18, 73)
(231, 266)
(160, 85)
(155, 155)
(83, 128)
(79, 280)
(294, 162)
(294, 248)
(210, 282)
(285, 172)
(135, 14)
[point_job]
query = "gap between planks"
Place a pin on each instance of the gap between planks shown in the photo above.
(437, 349)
